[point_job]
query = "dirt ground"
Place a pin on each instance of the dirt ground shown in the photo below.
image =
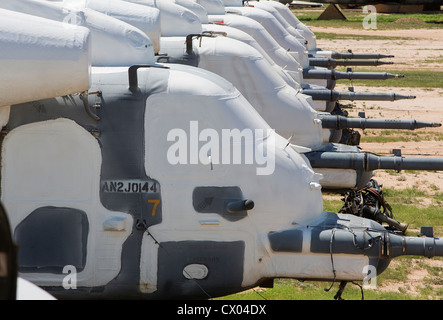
(424, 52)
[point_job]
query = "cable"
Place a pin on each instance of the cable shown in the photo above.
(258, 294)
(361, 289)
(332, 261)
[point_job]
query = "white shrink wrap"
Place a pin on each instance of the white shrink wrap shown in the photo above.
(41, 58)
(114, 42)
(147, 19)
(195, 7)
(175, 20)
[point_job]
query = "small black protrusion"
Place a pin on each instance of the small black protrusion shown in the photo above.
(241, 205)
(427, 231)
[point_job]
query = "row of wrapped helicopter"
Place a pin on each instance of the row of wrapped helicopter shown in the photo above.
(179, 149)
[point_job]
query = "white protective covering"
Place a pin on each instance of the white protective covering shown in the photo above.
(265, 5)
(175, 20)
(147, 19)
(172, 12)
(114, 42)
(224, 109)
(29, 291)
(40, 58)
(216, 7)
(195, 7)
(280, 56)
(233, 3)
(293, 21)
(212, 6)
(338, 178)
(283, 108)
(280, 104)
(242, 36)
(271, 24)
(250, 21)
